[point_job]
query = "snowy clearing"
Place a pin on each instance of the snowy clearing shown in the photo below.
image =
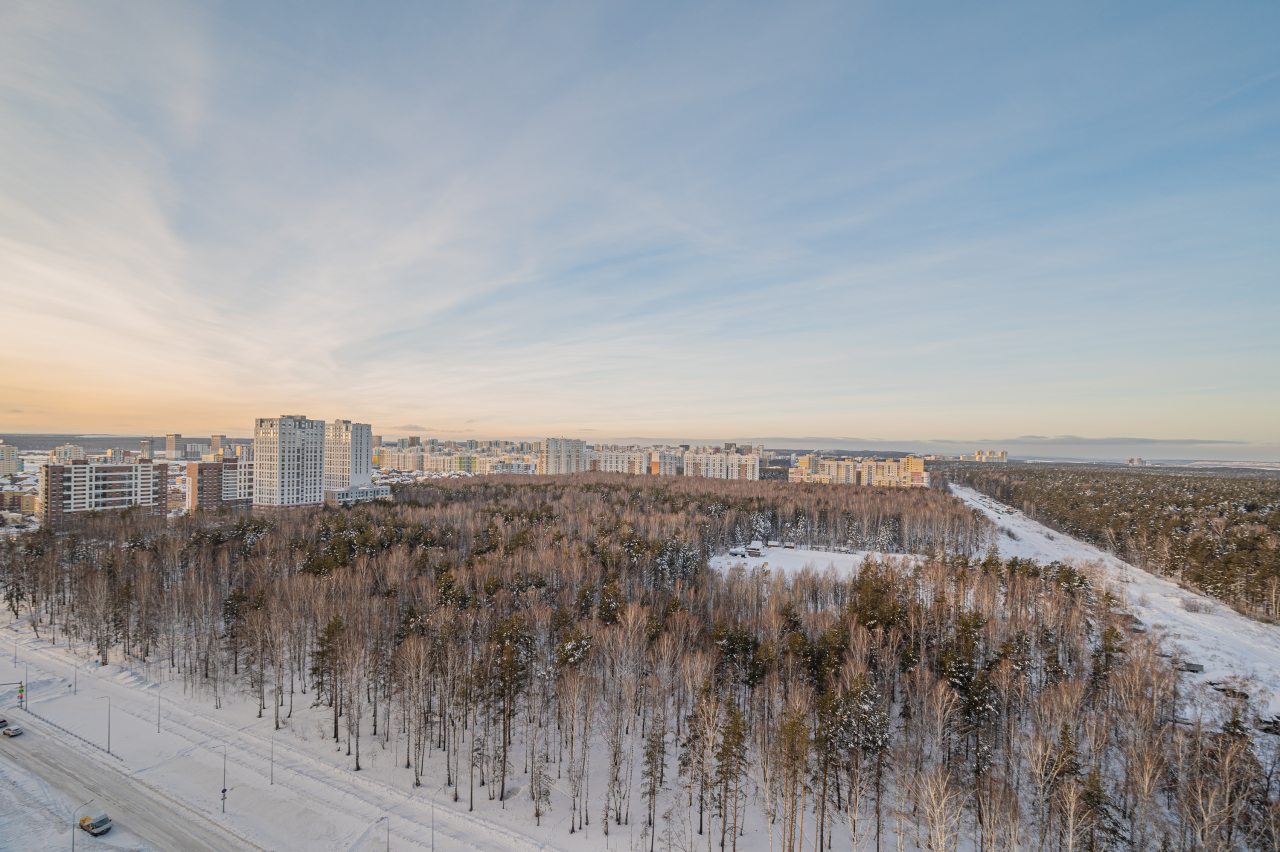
(1201, 629)
(793, 561)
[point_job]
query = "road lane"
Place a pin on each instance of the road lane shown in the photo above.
(143, 810)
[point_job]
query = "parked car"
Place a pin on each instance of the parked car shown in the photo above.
(100, 824)
(13, 731)
(4, 723)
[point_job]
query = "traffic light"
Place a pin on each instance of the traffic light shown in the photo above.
(22, 695)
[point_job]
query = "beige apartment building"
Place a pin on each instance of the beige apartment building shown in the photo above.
(288, 459)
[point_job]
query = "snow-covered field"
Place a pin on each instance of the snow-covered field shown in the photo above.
(1201, 629)
(791, 561)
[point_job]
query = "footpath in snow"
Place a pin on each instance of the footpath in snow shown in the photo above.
(1202, 630)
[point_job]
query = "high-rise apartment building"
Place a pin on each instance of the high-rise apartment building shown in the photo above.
(145, 449)
(664, 463)
(80, 486)
(216, 443)
(711, 463)
(215, 485)
(348, 455)
(66, 453)
(513, 467)
(244, 473)
(562, 455)
(394, 458)
(906, 472)
(348, 464)
(635, 462)
(288, 459)
(174, 448)
(9, 464)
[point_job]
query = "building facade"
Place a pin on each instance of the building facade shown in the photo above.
(66, 453)
(664, 463)
(67, 489)
(216, 485)
(634, 462)
(288, 461)
(717, 464)
(988, 456)
(562, 455)
(906, 472)
(9, 462)
(394, 458)
(174, 448)
(348, 455)
(348, 464)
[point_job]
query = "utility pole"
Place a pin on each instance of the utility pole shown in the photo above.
(75, 825)
(273, 757)
(158, 707)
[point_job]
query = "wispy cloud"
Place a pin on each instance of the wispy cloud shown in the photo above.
(798, 220)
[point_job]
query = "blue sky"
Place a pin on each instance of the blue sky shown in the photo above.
(907, 221)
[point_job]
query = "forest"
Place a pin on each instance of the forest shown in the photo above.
(1216, 532)
(564, 638)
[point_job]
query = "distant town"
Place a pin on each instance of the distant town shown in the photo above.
(295, 461)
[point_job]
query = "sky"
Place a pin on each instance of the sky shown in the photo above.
(907, 221)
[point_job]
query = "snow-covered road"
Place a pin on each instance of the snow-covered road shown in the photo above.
(1203, 630)
(161, 822)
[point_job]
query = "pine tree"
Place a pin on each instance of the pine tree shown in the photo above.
(731, 764)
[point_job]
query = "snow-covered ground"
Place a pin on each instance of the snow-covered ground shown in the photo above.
(791, 561)
(1201, 629)
(163, 788)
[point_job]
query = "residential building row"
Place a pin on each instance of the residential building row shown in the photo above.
(557, 456)
(987, 456)
(905, 472)
(294, 461)
(569, 455)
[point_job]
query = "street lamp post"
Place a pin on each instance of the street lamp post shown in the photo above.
(107, 698)
(224, 779)
(273, 757)
(75, 825)
(158, 685)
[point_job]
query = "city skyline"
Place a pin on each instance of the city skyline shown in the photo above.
(724, 221)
